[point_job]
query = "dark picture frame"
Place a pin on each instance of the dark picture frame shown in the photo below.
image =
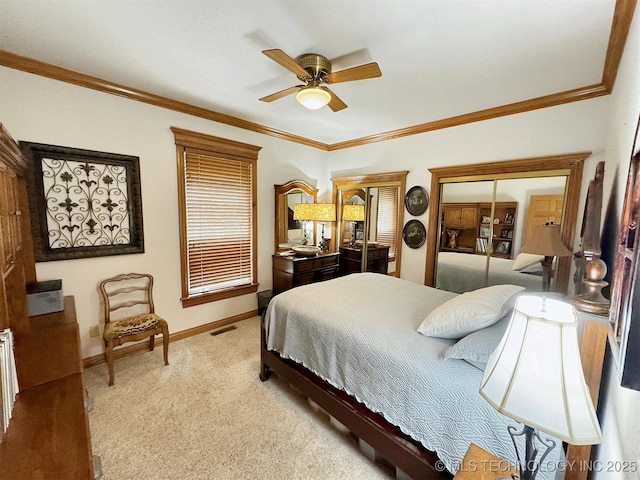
(414, 234)
(624, 321)
(503, 247)
(83, 203)
(416, 201)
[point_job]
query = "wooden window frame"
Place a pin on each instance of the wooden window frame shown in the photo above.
(226, 150)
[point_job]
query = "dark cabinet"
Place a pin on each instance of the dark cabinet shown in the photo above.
(377, 259)
(292, 271)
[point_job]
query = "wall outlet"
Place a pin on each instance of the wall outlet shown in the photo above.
(94, 331)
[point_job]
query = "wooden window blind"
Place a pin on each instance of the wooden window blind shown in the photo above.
(388, 217)
(218, 223)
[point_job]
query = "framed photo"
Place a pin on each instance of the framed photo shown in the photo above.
(503, 247)
(416, 201)
(414, 234)
(485, 230)
(83, 203)
(508, 218)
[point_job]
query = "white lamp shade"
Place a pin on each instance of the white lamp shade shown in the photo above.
(535, 375)
(313, 97)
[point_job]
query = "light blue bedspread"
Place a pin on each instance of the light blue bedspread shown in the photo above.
(359, 333)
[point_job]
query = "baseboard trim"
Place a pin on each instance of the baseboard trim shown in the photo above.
(173, 337)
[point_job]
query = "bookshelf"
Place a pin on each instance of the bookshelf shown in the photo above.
(470, 228)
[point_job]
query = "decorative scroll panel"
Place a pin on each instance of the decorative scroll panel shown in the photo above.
(83, 203)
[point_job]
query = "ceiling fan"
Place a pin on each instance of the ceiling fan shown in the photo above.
(315, 71)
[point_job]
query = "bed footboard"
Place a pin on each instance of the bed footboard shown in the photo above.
(407, 455)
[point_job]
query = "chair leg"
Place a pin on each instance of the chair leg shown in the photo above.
(152, 342)
(165, 344)
(108, 353)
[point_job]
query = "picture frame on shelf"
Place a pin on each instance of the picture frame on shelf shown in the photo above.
(503, 247)
(508, 218)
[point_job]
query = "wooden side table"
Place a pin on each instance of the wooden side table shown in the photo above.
(478, 464)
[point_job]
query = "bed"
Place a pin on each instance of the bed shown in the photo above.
(360, 358)
(462, 272)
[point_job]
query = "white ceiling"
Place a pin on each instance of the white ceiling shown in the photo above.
(439, 58)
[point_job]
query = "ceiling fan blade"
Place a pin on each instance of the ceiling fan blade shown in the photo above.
(286, 61)
(361, 72)
(281, 93)
(335, 104)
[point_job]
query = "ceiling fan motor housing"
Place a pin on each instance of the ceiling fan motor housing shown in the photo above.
(315, 64)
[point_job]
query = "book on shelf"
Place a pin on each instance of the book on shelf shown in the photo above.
(8, 378)
(481, 244)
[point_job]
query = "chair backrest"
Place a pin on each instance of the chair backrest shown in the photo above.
(126, 295)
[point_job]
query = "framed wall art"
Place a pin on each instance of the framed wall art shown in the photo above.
(416, 201)
(414, 234)
(624, 321)
(83, 203)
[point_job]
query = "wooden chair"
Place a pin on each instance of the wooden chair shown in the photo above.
(129, 314)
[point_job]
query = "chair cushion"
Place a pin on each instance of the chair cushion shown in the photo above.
(132, 325)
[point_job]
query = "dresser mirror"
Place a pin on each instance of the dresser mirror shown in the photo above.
(370, 212)
(482, 214)
(290, 232)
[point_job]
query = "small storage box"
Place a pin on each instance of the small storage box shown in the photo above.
(44, 297)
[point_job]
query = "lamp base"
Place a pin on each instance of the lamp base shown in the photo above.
(530, 467)
(592, 300)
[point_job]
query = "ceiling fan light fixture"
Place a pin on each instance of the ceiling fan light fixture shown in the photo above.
(313, 97)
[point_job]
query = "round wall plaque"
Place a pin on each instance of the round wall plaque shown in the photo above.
(416, 201)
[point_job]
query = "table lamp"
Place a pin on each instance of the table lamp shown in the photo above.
(535, 377)
(546, 241)
(353, 213)
(316, 212)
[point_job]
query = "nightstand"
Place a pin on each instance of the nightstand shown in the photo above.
(478, 464)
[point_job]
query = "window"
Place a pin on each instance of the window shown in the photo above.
(218, 221)
(388, 218)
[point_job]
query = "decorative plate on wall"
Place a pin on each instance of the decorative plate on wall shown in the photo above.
(416, 201)
(414, 234)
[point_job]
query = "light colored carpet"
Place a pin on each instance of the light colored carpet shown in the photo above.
(208, 416)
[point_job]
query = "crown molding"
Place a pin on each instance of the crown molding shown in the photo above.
(622, 17)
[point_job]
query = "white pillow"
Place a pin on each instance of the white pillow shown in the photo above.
(470, 311)
(526, 260)
(479, 345)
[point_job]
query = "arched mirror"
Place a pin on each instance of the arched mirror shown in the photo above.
(482, 215)
(290, 232)
(370, 215)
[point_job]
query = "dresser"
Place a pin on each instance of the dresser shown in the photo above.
(292, 271)
(377, 259)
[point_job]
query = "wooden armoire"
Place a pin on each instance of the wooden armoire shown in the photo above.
(48, 433)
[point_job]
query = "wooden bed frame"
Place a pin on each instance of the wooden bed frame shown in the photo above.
(388, 441)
